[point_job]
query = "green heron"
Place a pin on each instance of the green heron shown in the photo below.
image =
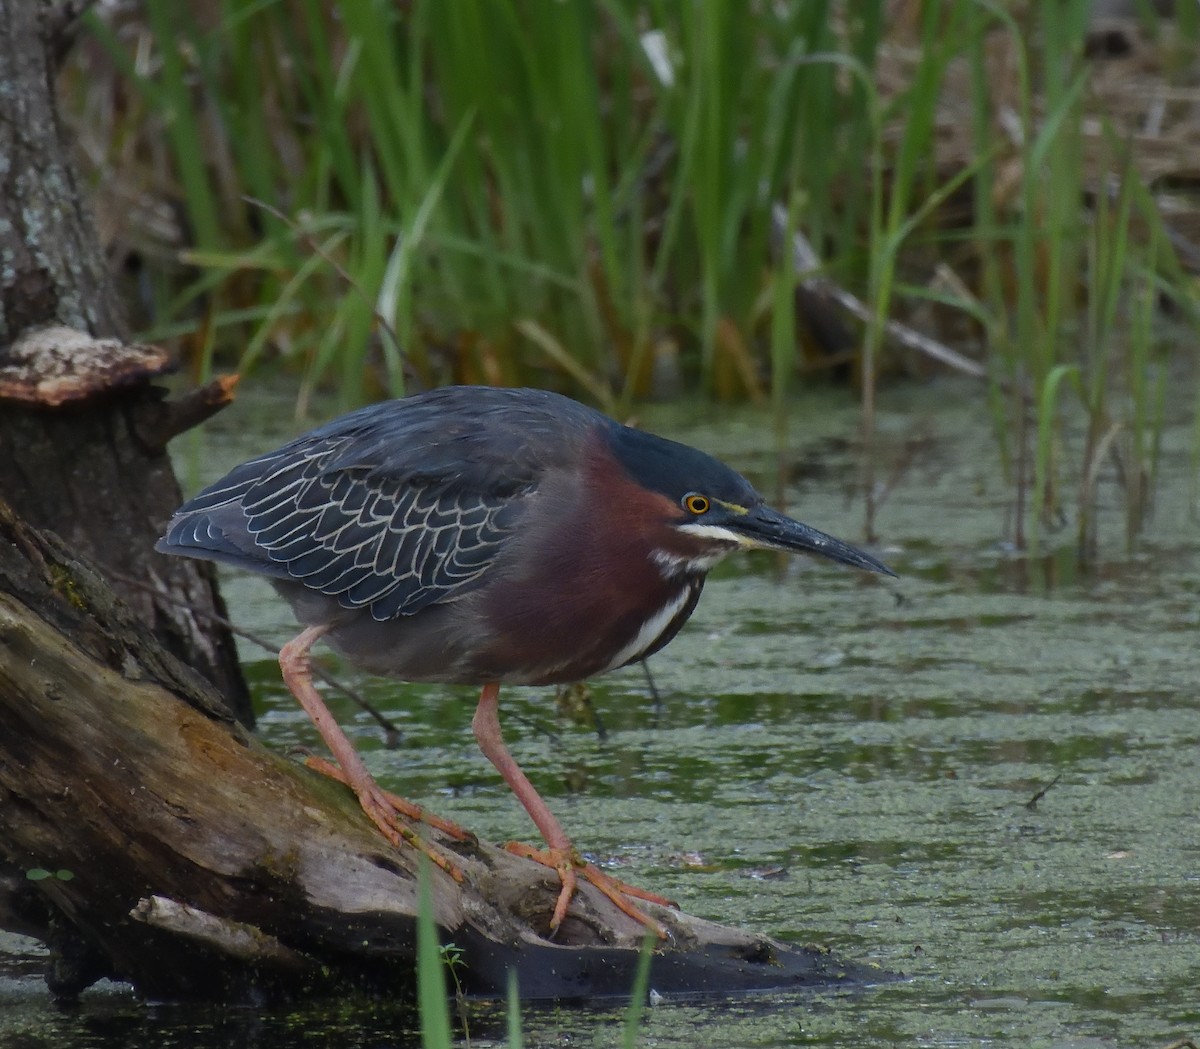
(484, 536)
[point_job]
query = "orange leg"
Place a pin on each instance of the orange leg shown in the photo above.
(294, 661)
(410, 810)
(560, 854)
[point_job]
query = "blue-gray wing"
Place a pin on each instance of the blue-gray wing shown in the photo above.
(391, 508)
(373, 541)
(368, 540)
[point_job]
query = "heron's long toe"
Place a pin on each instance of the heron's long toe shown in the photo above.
(392, 815)
(571, 866)
(409, 810)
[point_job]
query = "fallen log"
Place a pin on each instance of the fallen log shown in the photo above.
(149, 837)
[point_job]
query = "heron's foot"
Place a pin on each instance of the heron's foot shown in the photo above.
(392, 815)
(571, 866)
(409, 810)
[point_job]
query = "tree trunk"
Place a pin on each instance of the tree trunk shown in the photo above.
(148, 837)
(82, 432)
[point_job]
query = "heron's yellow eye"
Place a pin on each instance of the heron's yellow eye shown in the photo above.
(696, 504)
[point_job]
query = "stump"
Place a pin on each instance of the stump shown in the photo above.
(82, 429)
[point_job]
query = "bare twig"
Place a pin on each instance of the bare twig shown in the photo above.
(1031, 804)
(808, 266)
(157, 422)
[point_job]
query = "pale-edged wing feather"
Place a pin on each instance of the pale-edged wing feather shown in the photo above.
(391, 508)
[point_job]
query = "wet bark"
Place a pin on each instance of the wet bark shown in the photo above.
(167, 847)
(85, 463)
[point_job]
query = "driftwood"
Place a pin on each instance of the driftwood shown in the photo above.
(147, 835)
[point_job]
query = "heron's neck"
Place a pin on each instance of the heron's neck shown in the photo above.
(679, 565)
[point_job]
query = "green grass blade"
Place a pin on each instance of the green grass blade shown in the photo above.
(639, 993)
(432, 1004)
(513, 1019)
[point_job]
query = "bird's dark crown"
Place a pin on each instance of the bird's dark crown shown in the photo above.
(676, 470)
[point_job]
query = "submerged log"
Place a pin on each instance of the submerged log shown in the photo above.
(149, 837)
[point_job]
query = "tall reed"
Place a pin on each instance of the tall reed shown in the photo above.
(583, 196)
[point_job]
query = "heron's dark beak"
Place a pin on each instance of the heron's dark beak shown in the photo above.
(772, 530)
